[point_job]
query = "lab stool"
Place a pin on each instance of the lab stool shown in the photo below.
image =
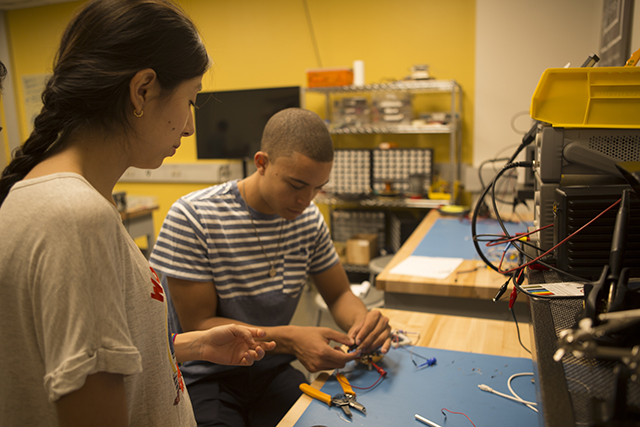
(366, 291)
(376, 266)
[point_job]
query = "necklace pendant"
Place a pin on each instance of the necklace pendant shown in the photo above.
(272, 272)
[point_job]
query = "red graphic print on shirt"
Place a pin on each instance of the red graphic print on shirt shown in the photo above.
(158, 292)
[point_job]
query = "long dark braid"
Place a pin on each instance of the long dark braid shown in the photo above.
(47, 128)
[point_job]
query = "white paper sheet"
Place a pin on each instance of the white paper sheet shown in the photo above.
(430, 267)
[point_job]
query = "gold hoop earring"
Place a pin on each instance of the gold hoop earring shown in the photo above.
(140, 114)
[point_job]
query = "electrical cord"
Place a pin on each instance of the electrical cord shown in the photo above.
(493, 191)
(474, 218)
(529, 404)
(527, 139)
(517, 239)
(508, 188)
(513, 313)
(517, 272)
(566, 238)
(502, 159)
(507, 236)
(514, 396)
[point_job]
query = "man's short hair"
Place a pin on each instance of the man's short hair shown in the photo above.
(297, 130)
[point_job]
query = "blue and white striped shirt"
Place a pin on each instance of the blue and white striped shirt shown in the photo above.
(208, 235)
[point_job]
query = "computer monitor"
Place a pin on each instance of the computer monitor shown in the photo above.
(229, 124)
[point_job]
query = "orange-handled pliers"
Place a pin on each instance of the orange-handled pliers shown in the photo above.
(344, 401)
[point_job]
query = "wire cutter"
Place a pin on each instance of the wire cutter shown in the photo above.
(344, 401)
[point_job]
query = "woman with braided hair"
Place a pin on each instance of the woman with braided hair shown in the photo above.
(84, 333)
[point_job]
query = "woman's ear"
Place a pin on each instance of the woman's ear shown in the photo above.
(143, 87)
(261, 160)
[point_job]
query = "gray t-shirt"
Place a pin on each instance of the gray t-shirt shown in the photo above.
(77, 297)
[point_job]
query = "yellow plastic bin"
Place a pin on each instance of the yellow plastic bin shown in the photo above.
(606, 97)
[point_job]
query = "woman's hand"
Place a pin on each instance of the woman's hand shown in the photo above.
(225, 345)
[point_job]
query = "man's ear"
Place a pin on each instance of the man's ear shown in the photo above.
(261, 160)
(143, 87)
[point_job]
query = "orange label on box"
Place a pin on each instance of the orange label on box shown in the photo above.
(329, 77)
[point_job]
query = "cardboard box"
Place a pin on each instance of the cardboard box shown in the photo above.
(325, 77)
(341, 249)
(362, 248)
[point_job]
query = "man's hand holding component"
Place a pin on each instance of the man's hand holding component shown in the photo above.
(372, 332)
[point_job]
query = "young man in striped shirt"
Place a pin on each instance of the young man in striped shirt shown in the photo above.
(240, 252)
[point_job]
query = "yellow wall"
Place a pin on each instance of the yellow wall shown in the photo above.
(257, 43)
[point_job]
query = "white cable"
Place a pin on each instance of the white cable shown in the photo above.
(515, 397)
(514, 393)
(485, 387)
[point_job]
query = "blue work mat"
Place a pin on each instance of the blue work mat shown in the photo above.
(451, 238)
(452, 383)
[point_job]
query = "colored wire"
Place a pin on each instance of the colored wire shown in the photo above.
(564, 240)
(507, 238)
(513, 313)
(428, 361)
(526, 140)
(539, 261)
(493, 190)
(493, 187)
(362, 388)
(480, 202)
(517, 237)
(458, 413)
(397, 335)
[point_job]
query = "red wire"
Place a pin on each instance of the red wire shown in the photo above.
(458, 413)
(361, 388)
(563, 241)
(518, 237)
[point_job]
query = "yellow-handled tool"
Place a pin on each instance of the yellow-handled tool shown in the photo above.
(344, 401)
(316, 394)
(346, 386)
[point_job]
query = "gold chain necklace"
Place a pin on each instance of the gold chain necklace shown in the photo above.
(272, 272)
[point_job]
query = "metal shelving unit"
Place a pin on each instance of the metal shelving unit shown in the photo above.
(452, 128)
(413, 88)
(381, 202)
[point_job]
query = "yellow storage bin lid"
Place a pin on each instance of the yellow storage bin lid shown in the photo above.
(605, 97)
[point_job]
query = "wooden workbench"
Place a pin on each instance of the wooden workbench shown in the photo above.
(486, 336)
(472, 279)
(467, 291)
